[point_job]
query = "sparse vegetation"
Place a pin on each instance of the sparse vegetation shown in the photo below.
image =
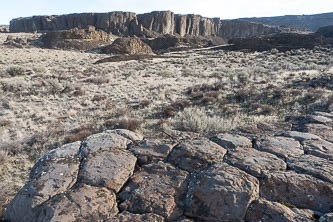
(67, 98)
(15, 71)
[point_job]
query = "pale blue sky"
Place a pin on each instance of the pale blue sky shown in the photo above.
(224, 9)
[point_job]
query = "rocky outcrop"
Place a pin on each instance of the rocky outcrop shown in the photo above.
(281, 41)
(129, 46)
(294, 22)
(326, 31)
(79, 39)
(4, 28)
(120, 176)
(158, 22)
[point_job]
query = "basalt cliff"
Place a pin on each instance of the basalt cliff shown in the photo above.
(158, 22)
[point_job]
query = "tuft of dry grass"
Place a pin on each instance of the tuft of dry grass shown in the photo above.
(132, 124)
(15, 71)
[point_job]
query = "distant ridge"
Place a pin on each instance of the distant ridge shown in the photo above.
(303, 22)
(148, 24)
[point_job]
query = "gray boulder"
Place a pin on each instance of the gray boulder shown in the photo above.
(299, 190)
(254, 162)
(158, 188)
(220, 193)
(196, 154)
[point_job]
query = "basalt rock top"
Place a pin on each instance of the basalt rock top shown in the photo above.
(120, 176)
(148, 24)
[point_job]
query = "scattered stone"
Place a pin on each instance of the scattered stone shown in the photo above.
(255, 162)
(197, 154)
(148, 151)
(312, 165)
(221, 191)
(129, 46)
(230, 142)
(158, 188)
(282, 147)
(298, 190)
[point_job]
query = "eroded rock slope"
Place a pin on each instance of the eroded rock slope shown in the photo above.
(120, 176)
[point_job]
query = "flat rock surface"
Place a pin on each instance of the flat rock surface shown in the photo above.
(319, 148)
(103, 142)
(85, 202)
(148, 151)
(280, 146)
(197, 154)
(230, 141)
(300, 190)
(157, 188)
(110, 169)
(312, 165)
(301, 136)
(255, 162)
(324, 131)
(221, 191)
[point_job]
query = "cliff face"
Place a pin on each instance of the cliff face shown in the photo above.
(304, 22)
(127, 23)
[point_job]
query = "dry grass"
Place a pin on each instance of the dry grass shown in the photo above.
(57, 97)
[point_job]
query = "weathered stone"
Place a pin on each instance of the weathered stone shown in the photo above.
(221, 191)
(127, 134)
(328, 115)
(300, 136)
(79, 39)
(231, 142)
(157, 188)
(51, 175)
(4, 28)
(325, 132)
(266, 211)
(71, 150)
(300, 190)
(312, 165)
(85, 203)
(129, 46)
(197, 154)
(148, 151)
(255, 162)
(110, 169)
(103, 142)
(129, 217)
(318, 119)
(158, 21)
(326, 218)
(280, 146)
(319, 148)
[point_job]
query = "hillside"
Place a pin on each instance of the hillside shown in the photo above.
(303, 22)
